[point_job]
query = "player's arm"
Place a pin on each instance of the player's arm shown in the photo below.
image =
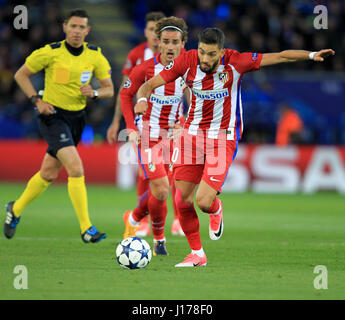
(127, 94)
(22, 77)
(144, 93)
(170, 73)
(286, 56)
(115, 125)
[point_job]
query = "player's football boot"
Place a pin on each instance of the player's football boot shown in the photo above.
(176, 229)
(11, 221)
(144, 229)
(160, 248)
(193, 260)
(130, 230)
(216, 226)
(92, 235)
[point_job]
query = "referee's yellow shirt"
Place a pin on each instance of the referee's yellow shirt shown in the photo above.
(66, 73)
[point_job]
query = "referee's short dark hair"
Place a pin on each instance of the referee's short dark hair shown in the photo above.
(77, 13)
(212, 36)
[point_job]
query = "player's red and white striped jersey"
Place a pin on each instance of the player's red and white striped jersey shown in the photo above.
(216, 105)
(136, 56)
(164, 104)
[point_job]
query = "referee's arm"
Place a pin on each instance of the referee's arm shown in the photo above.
(106, 90)
(22, 77)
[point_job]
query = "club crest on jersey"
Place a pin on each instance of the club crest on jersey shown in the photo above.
(223, 77)
(152, 167)
(85, 76)
(169, 66)
(254, 56)
(127, 84)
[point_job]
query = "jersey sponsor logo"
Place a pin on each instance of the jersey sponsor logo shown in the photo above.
(169, 66)
(165, 100)
(85, 76)
(127, 84)
(211, 94)
(223, 77)
(254, 56)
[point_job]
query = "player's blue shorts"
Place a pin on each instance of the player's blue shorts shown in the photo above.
(62, 129)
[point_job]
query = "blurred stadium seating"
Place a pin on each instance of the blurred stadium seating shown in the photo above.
(316, 91)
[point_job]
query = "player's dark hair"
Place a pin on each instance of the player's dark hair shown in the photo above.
(212, 36)
(172, 22)
(77, 13)
(154, 16)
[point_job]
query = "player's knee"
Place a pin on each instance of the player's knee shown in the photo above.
(161, 192)
(49, 175)
(203, 203)
(182, 199)
(75, 171)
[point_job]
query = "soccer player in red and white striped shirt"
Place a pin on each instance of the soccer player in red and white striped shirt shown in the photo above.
(151, 135)
(136, 56)
(213, 127)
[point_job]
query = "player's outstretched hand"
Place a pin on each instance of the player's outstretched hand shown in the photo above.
(44, 107)
(322, 54)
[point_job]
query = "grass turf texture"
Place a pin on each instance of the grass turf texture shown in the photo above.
(269, 248)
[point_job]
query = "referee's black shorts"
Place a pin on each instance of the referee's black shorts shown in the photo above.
(62, 129)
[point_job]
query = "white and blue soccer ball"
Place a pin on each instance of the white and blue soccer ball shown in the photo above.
(133, 253)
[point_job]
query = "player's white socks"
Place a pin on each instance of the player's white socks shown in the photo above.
(199, 252)
(132, 222)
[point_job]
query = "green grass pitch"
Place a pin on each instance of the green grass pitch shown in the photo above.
(269, 249)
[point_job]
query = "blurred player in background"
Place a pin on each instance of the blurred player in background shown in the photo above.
(69, 66)
(290, 126)
(151, 136)
(213, 127)
(136, 56)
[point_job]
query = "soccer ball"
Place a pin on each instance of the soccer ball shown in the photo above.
(133, 253)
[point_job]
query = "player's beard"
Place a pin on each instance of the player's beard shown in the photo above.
(210, 69)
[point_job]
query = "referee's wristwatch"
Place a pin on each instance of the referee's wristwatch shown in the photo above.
(95, 95)
(34, 99)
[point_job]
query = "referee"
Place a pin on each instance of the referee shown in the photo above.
(69, 66)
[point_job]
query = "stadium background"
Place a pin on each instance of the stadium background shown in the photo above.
(315, 90)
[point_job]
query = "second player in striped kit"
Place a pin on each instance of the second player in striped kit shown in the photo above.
(151, 135)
